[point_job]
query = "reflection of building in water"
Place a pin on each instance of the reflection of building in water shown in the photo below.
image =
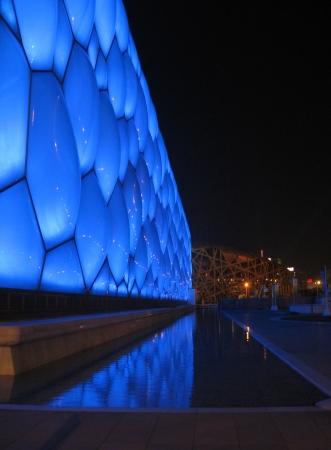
(88, 198)
(220, 272)
(155, 373)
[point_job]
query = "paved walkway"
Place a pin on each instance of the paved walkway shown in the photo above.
(242, 428)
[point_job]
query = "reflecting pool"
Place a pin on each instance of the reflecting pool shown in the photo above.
(202, 360)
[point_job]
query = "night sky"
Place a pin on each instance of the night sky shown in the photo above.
(242, 96)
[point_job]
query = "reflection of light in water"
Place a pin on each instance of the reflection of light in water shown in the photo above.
(156, 373)
(232, 329)
(264, 353)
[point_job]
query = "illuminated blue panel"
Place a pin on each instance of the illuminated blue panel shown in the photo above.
(122, 26)
(156, 250)
(146, 230)
(161, 273)
(174, 238)
(112, 286)
(101, 284)
(116, 79)
(14, 95)
(163, 154)
(145, 89)
(145, 186)
(125, 148)
(157, 170)
(53, 167)
(131, 274)
(149, 283)
(63, 42)
(168, 216)
(132, 197)
(107, 160)
(149, 154)
(8, 13)
(140, 117)
(153, 125)
(38, 25)
(81, 16)
(141, 262)
(131, 87)
(164, 193)
(80, 83)
(105, 18)
(119, 247)
(101, 72)
(167, 264)
(171, 193)
(152, 203)
(176, 217)
(159, 223)
(92, 229)
(62, 272)
(134, 292)
(170, 248)
(133, 142)
(22, 251)
(93, 48)
(122, 290)
(134, 55)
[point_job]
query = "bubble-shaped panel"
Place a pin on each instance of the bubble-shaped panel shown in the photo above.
(134, 55)
(131, 87)
(163, 154)
(62, 272)
(101, 284)
(149, 154)
(133, 142)
(152, 202)
(131, 274)
(93, 48)
(121, 26)
(107, 160)
(145, 186)
(63, 42)
(122, 290)
(140, 117)
(53, 167)
(132, 197)
(22, 251)
(125, 148)
(81, 16)
(153, 125)
(105, 18)
(92, 229)
(8, 13)
(38, 25)
(101, 72)
(157, 170)
(14, 95)
(141, 262)
(116, 79)
(119, 246)
(79, 85)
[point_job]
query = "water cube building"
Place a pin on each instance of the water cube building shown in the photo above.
(88, 199)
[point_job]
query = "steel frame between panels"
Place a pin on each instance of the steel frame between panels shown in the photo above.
(220, 272)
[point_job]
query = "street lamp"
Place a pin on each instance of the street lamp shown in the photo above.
(246, 286)
(317, 286)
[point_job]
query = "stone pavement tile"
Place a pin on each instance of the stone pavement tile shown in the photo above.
(215, 429)
(91, 432)
(17, 425)
(49, 431)
(133, 431)
(258, 430)
(173, 430)
(299, 431)
(7, 413)
(323, 420)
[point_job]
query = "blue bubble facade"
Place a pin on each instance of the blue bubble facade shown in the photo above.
(88, 199)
